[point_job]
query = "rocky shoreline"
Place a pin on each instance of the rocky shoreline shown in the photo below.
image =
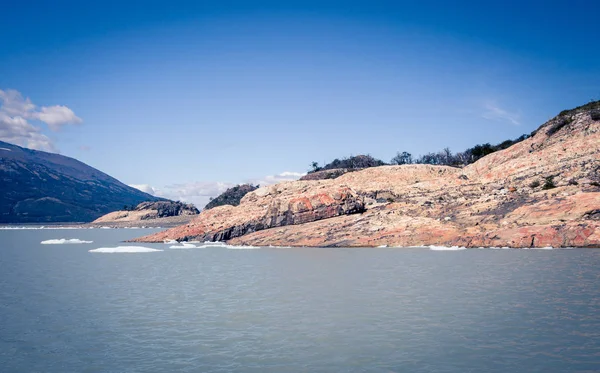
(543, 191)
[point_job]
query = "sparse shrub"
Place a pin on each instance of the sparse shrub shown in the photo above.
(402, 158)
(534, 184)
(231, 196)
(558, 124)
(549, 183)
(352, 162)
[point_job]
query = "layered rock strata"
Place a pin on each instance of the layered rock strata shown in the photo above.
(543, 191)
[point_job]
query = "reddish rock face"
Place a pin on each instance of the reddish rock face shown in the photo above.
(543, 191)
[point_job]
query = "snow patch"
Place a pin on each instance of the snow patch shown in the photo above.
(64, 241)
(124, 249)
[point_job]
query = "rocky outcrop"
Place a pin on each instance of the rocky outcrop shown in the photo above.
(268, 207)
(161, 213)
(542, 191)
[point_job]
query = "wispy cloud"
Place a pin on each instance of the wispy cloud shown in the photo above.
(16, 114)
(144, 188)
(200, 193)
(493, 111)
(274, 179)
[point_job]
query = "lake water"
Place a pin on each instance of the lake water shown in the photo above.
(64, 309)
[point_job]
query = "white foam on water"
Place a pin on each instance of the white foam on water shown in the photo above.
(446, 248)
(232, 247)
(64, 241)
(214, 243)
(124, 249)
(184, 245)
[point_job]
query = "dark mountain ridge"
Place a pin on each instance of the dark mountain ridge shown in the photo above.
(45, 187)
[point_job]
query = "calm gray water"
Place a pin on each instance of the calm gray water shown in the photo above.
(63, 309)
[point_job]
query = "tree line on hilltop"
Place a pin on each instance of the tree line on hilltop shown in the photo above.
(444, 157)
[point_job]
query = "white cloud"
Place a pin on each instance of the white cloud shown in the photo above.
(17, 130)
(494, 112)
(57, 116)
(200, 193)
(274, 179)
(16, 113)
(144, 188)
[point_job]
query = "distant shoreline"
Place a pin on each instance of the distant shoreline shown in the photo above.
(168, 222)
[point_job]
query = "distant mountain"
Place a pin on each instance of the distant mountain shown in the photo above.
(44, 187)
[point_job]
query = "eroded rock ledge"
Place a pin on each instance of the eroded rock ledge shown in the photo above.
(543, 191)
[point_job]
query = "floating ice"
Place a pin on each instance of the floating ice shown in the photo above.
(184, 245)
(64, 241)
(382, 246)
(124, 249)
(170, 242)
(446, 248)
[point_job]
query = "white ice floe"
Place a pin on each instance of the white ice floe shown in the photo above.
(381, 246)
(446, 248)
(170, 242)
(64, 241)
(124, 249)
(184, 245)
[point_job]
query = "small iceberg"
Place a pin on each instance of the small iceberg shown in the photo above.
(124, 249)
(184, 245)
(64, 241)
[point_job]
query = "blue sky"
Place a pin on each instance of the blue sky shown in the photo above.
(190, 97)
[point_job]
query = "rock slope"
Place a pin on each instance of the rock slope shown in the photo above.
(543, 191)
(159, 213)
(38, 187)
